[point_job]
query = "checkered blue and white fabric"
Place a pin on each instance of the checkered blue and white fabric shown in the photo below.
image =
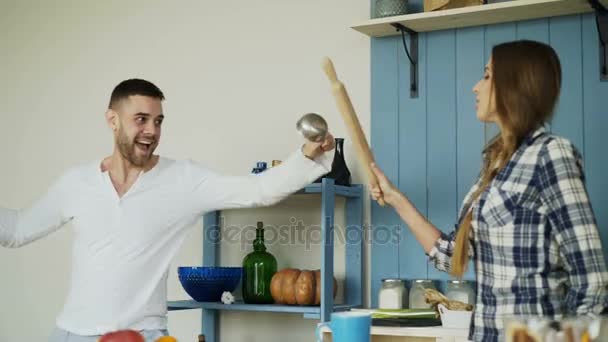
(534, 244)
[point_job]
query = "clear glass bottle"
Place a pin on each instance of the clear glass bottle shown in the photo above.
(460, 290)
(393, 294)
(417, 300)
(258, 268)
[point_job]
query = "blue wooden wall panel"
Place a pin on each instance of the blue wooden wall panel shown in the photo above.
(384, 139)
(441, 135)
(533, 30)
(568, 117)
(431, 146)
(469, 130)
(595, 94)
(412, 159)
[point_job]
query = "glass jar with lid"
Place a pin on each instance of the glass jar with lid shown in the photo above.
(393, 294)
(460, 290)
(417, 300)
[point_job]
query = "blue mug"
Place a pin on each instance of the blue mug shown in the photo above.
(348, 327)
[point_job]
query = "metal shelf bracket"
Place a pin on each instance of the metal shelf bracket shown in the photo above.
(412, 55)
(601, 19)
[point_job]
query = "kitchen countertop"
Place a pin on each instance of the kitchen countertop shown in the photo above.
(413, 334)
(436, 332)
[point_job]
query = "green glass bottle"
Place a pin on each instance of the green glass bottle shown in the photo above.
(258, 268)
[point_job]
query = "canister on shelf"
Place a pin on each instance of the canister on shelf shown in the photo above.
(417, 300)
(460, 290)
(261, 165)
(393, 294)
(389, 8)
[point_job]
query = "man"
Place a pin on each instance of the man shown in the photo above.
(131, 212)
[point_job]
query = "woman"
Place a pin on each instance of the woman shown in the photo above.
(527, 223)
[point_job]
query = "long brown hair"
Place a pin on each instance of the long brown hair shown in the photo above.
(526, 85)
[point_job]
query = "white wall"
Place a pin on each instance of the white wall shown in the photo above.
(237, 76)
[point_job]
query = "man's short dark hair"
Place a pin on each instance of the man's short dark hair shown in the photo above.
(132, 87)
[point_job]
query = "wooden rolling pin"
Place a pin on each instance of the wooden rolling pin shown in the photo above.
(352, 122)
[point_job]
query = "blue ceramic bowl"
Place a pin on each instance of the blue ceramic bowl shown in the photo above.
(206, 284)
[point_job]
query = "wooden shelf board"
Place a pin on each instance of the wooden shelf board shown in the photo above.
(510, 11)
(309, 311)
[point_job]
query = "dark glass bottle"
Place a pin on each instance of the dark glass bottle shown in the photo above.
(339, 170)
(258, 268)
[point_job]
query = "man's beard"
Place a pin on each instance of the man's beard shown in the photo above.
(126, 147)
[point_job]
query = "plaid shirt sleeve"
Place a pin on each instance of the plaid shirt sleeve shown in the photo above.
(561, 185)
(441, 253)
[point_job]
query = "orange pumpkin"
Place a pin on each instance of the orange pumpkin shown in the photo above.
(302, 287)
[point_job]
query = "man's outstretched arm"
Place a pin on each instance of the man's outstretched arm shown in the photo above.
(21, 227)
(211, 191)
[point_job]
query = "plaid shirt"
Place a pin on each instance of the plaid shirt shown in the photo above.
(535, 243)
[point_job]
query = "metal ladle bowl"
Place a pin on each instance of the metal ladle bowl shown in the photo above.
(313, 127)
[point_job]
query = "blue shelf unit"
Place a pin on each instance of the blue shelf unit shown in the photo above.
(353, 282)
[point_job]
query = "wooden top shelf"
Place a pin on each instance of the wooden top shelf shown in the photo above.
(510, 11)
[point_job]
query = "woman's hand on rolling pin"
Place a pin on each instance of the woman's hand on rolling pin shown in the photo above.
(314, 149)
(385, 189)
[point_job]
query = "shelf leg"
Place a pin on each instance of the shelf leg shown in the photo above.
(327, 253)
(211, 241)
(354, 239)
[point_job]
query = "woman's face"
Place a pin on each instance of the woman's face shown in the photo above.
(485, 100)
